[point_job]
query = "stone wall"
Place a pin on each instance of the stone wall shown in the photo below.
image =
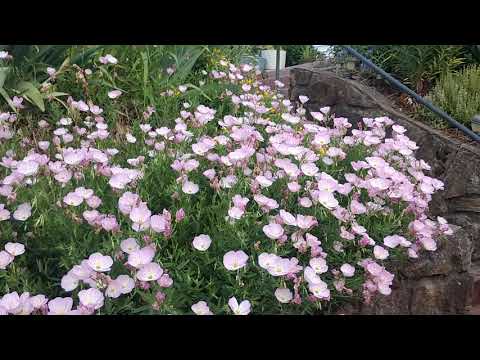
(447, 281)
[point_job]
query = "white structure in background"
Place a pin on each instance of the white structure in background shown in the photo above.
(324, 49)
(270, 57)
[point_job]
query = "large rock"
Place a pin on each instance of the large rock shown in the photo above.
(453, 254)
(439, 295)
(436, 283)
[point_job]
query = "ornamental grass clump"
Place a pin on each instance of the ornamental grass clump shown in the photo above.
(246, 204)
(458, 94)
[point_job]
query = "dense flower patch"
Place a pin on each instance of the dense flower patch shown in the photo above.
(254, 207)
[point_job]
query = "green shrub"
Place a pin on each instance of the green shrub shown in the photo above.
(26, 73)
(296, 54)
(418, 66)
(458, 94)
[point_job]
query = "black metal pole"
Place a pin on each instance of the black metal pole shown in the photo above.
(414, 95)
(277, 65)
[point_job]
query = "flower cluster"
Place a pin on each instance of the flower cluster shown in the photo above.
(280, 206)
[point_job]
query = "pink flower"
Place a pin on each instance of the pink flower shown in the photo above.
(309, 169)
(150, 272)
(127, 284)
(69, 282)
(202, 242)
(209, 174)
(179, 215)
(63, 176)
(159, 223)
(51, 71)
(73, 199)
(380, 252)
(84, 193)
(114, 94)
(273, 231)
(263, 181)
(305, 202)
(379, 183)
(265, 202)
(293, 187)
(99, 262)
(398, 129)
(303, 99)
(347, 270)
(412, 253)
(235, 213)
(234, 260)
(82, 271)
(4, 213)
(141, 257)
(15, 249)
(266, 260)
(319, 265)
(283, 295)
(201, 308)
(130, 138)
(23, 212)
(91, 216)
(113, 290)
(60, 306)
(141, 214)
(94, 201)
(428, 243)
(305, 222)
(11, 302)
(109, 223)
(4, 55)
(326, 199)
(165, 281)
(393, 241)
(38, 301)
(325, 110)
(317, 115)
(5, 259)
(129, 245)
(320, 290)
(357, 207)
(277, 266)
(91, 298)
(311, 276)
(243, 309)
(27, 167)
(189, 187)
(288, 218)
(108, 59)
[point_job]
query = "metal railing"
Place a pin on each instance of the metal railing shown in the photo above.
(413, 94)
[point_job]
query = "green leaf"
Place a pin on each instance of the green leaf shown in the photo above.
(200, 90)
(55, 94)
(7, 99)
(31, 93)
(3, 74)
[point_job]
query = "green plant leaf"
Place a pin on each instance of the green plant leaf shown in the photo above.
(199, 90)
(31, 93)
(7, 99)
(3, 74)
(55, 94)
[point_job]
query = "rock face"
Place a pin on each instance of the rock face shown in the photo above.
(436, 283)
(441, 282)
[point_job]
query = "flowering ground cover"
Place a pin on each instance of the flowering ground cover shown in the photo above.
(224, 198)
